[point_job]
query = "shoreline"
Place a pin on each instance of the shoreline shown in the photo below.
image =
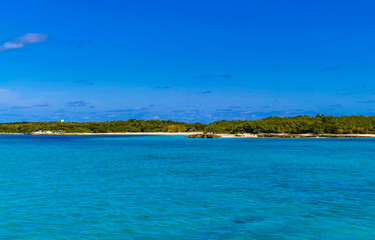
(109, 134)
(202, 135)
(287, 135)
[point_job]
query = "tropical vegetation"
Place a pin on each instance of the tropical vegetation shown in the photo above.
(297, 125)
(132, 125)
(292, 125)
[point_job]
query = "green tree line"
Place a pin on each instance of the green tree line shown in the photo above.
(132, 125)
(294, 125)
(319, 124)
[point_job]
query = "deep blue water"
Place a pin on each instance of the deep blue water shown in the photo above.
(172, 187)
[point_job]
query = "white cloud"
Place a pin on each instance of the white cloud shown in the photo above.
(20, 42)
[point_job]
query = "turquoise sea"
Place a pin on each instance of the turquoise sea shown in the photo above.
(172, 187)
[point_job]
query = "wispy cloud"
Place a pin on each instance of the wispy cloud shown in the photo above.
(368, 101)
(120, 111)
(336, 106)
(331, 68)
(77, 104)
(179, 111)
(163, 87)
(20, 42)
(129, 110)
(31, 106)
(225, 75)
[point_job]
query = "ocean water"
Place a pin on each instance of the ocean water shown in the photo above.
(172, 187)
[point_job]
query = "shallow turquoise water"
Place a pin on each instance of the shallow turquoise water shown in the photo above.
(171, 187)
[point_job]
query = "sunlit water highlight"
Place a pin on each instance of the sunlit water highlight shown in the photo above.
(171, 187)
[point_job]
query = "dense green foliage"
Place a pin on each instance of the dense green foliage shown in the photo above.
(131, 125)
(293, 125)
(177, 128)
(297, 125)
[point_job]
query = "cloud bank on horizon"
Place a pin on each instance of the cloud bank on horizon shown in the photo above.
(20, 42)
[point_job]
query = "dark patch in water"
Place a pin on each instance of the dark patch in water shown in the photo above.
(243, 220)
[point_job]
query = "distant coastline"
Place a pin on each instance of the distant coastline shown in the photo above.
(270, 127)
(109, 134)
(203, 135)
(280, 135)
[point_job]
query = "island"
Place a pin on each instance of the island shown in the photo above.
(270, 127)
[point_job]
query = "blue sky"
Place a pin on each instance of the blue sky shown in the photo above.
(185, 60)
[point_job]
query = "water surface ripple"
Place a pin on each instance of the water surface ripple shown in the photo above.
(171, 187)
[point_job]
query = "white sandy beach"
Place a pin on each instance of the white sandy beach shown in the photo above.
(127, 133)
(284, 135)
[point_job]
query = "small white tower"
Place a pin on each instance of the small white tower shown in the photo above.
(62, 120)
